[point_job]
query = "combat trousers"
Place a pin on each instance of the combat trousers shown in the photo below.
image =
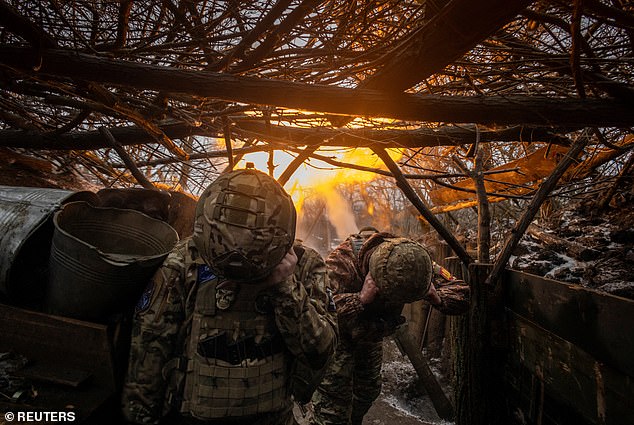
(351, 384)
(284, 417)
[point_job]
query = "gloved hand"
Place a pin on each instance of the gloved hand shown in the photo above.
(454, 298)
(283, 270)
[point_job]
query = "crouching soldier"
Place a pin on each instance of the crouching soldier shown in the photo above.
(237, 321)
(372, 276)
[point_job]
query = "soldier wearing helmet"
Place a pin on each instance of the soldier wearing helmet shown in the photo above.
(372, 275)
(236, 322)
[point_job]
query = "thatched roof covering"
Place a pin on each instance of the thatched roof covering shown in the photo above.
(172, 92)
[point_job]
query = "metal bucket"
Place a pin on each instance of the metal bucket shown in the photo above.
(26, 230)
(102, 258)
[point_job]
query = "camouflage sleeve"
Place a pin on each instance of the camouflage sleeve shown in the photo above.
(355, 321)
(157, 321)
(349, 306)
(345, 281)
(308, 327)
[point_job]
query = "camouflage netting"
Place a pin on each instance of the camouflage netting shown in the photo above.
(170, 94)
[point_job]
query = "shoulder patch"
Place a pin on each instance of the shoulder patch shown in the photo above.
(205, 274)
(146, 297)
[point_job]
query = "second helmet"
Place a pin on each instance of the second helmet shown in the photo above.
(402, 269)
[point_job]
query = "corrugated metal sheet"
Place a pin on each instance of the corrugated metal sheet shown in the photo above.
(26, 229)
(22, 211)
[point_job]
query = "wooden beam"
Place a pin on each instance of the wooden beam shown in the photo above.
(438, 398)
(588, 387)
(328, 99)
(90, 140)
(597, 322)
(414, 138)
(127, 160)
(458, 27)
(413, 197)
(531, 209)
(292, 136)
(479, 387)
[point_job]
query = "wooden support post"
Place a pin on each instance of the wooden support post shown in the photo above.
(453, 338)
(520, 227)
(479, 375)
(440, 401)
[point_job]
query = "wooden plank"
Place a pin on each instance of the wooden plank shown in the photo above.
(600, 324)
(55, 374)
(596, 391)
(438, 397)
(49, 339)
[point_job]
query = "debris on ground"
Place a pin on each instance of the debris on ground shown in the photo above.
(584, 245)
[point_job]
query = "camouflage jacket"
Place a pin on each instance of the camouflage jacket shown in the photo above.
(347, 268)
(160, 325)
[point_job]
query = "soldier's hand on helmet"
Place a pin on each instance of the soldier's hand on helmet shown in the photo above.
(369, 290)
(432, 296)
(283, 270)
(454, 298)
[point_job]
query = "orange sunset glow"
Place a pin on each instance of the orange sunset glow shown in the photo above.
(317, 179)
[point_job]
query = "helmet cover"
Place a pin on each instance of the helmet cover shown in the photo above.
(402, 269)
(244, 225)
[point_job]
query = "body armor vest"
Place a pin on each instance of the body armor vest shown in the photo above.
(235, 362)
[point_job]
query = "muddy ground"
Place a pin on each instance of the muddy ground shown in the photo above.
(403, 400)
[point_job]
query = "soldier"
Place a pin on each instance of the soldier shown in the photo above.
(372, 276)
(236, 320)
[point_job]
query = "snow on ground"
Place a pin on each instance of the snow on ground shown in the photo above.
(402, 395)
(608, 238)
(402, 401)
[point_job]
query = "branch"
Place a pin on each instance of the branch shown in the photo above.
(270, 42)
(291, 136)
(532, 208)
(19, 25)
(418, 138)
(122, 24)
(328, 99)
(297, 161)
(410, 194)
(138, 175)
(263, 25)
(456, 29)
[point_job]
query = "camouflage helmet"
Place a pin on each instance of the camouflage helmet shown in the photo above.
(244, 225)
(402, 269)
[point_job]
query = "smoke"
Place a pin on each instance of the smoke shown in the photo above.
(309, 180)
(340, 214)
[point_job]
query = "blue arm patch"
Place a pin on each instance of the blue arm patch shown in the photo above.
(204, 274)
(146, 297)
